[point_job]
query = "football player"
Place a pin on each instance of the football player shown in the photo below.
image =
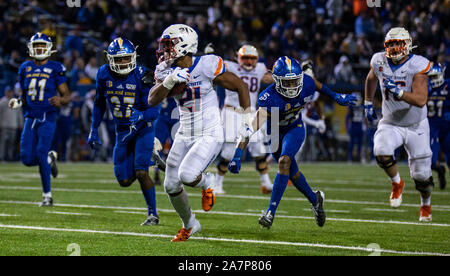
(40, 80)
(124, 86)
(439, 119)
(253, 73)
(200, 135)
(354, 122)
(280, 106)
(404, 84)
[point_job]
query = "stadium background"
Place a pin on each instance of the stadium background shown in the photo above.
(322, 30)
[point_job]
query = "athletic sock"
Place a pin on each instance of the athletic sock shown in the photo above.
(425, 201)
(396, 178)
(181, 205)
(279, 186)
(45, 172)
(305, 189)
(219, 180)
(150, 199)
(264, 178)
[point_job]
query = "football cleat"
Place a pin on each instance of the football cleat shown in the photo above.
(208, 199)
(184, 234)
(151, 220)
(46, 202)
(395, 199)
(319, 212)
(266, 219)
(52, 157)
(425, 213)
(441, 175)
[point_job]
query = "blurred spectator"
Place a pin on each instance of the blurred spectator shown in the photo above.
(74, 42)
(10, 124)
(91, 68)
(343, 72)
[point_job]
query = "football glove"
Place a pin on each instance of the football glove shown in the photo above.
(15, 103)
(370, 113)
(345, 99)
(320, 125)
(94, 140)
(235, 164)
(179, 75)
(136, 116)
(393, 88)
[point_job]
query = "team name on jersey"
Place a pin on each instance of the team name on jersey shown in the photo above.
(120, 93)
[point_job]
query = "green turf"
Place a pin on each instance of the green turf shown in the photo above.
(92, 211)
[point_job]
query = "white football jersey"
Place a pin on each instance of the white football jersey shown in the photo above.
(199, 106)
(251, 78)
(394, 111)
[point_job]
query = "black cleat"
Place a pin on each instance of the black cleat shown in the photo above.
(53, 156)
(319, 212)
(46, 202)
(266, 220)
(441, 176)
(151, 220)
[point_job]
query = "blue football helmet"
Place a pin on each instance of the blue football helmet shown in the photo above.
(288, 75)
(436, 76)
(118, 49)
(40, 53)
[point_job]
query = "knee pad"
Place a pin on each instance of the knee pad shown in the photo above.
(187, 176)
(387, 163)
(424, 186)
(223, 163)
(261, 164)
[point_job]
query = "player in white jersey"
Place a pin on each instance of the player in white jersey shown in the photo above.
(200, 135)
(253, 73)
(403, 81)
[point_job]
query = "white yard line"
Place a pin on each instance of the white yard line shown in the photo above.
(67, 213)
(264, 242)
(245, 197)
(234, 214)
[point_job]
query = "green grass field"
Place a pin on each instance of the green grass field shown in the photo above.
(94, 214)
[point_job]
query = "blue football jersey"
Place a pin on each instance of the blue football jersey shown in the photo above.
(438, 104)
(39, 84)
(123, 94)
(167, 107)
(289, 108)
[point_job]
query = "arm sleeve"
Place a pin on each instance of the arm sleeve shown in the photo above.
(61, 75)
(99, 106)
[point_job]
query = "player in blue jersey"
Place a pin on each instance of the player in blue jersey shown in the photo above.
(123, 85)
(40, 80)
(280, 106)
(166, 125)
(355, 128)
(439, 119)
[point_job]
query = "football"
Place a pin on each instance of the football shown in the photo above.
(177, 90)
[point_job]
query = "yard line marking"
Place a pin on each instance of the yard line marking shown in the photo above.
(265, 242)
(199, 212)
(8, 215)
(246, 197)
(67, 213)
(384, 210)
(331, 211)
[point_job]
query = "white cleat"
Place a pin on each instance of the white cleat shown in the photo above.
(266, 188)
(395, 200)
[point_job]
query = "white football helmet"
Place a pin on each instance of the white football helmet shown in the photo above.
(398, 43)
(247, 57)
(176, 41)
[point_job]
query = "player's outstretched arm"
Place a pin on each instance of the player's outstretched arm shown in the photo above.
(258, 121)
(419, 94)
(98, 112)
(232, 82)
(342, 99)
